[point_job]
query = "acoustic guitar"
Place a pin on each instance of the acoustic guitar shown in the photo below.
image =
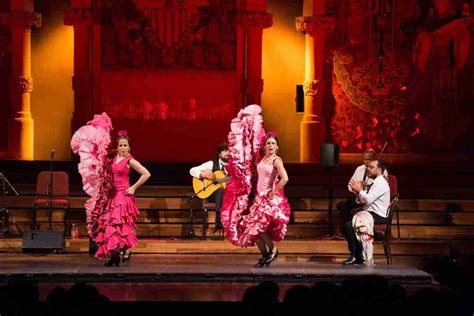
(204, 188)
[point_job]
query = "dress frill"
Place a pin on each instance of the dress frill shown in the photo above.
(116, 227)
(91, 143)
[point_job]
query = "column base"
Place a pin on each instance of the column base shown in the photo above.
(312, 136)
(21, 137)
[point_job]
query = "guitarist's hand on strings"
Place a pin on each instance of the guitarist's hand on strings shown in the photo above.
(208, 175)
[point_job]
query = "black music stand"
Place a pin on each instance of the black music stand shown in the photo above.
(5, 216)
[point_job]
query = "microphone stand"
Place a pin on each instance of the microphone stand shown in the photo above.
(5, 214)
(330, 203)
(50, 191)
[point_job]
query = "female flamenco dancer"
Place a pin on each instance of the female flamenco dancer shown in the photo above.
(265, 221)
(111, 211)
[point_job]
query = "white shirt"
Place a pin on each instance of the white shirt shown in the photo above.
(207, 166)
(377, 199)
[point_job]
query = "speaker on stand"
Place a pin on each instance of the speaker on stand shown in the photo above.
(329, 158)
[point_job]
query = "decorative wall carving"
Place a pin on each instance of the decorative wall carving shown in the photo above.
(21, 18)
(304, 24)
(79, 16)
(192, 34)
(256, 19)
(170, 95)
(311, 24)
(22, 84)
(397, 77)
(311, 88)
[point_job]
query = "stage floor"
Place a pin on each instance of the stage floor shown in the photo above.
(72, 268)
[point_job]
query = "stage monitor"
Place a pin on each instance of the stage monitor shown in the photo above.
(39, 241)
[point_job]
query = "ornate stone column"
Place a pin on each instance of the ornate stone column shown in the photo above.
(251, 20)
(316, 28)
(82, 17)
(20, 124)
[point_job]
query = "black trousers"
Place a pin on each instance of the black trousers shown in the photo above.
(348, 231)
(346, 208)
(217, 197)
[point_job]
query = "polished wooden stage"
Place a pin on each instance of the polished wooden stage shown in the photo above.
(224, 268)
(436, 220)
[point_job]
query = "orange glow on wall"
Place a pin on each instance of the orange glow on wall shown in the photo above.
(52, 97)
(283, 63)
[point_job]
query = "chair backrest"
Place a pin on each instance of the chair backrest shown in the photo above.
(393, 184)
(60, 183)
(392, 208)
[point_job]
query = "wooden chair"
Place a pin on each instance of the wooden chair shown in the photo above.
(60, 196)
(383, 232)
(393, 184)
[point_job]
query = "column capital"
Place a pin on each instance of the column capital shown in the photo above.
(20, 18)
(21, 84)
(311, 87)
(304, 24)
(79, 16)
(255, 19)
(311, 24)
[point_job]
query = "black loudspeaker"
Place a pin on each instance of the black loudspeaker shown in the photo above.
(329, 155)
(43, 241)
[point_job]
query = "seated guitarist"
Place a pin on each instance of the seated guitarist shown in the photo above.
(205, 171)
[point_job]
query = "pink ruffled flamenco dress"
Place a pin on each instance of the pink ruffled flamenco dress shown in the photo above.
(244, 220)
(117, 227)
(110, 214)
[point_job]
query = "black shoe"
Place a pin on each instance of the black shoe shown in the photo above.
(352, 260)
(271, 256)
(261, 262)
(126, 255)
(113, 261)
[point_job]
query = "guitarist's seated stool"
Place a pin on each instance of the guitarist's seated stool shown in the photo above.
(206, 206)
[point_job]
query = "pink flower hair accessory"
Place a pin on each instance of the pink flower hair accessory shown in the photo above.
(122, 133)
(272, 134)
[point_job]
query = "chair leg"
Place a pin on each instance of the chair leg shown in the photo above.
(385, 249)
(50, 218)
(204, 222)
(191, 214)
(67, 231)
(389, 253)
(33, 225)
(398, 223)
